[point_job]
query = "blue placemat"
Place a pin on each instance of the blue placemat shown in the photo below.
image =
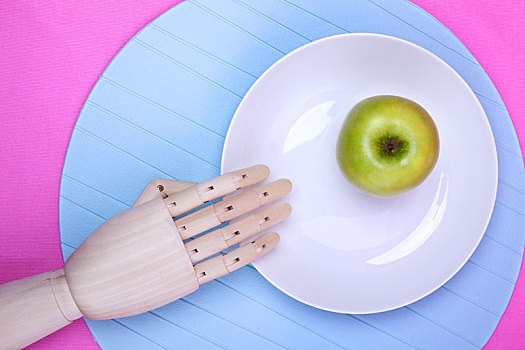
(162, 109)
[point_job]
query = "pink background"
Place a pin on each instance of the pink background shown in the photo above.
(51, 54)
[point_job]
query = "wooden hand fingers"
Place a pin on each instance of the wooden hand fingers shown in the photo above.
(181, 197)
(236, 232)
(237, 258)
(198, 194)
(231, 208)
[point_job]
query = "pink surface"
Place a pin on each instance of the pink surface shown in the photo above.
(52, 53)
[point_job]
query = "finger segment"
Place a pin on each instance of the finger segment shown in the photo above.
(197, 222)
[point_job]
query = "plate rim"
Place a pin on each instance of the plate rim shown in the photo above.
(495, 168)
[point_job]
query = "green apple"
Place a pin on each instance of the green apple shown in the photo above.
(387, 145)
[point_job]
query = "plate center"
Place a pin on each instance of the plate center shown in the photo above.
(334, 213)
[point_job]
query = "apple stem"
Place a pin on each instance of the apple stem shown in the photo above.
(391, 146)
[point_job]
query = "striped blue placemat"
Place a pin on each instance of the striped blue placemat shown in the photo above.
(161, 110)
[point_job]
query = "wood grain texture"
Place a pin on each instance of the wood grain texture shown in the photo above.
(34, 307)
(131, 264)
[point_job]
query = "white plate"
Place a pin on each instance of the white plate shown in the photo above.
(343, 250)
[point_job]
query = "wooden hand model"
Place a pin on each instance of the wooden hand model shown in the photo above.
(139, 260)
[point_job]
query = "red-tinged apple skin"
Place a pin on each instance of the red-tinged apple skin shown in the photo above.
(387, 145)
